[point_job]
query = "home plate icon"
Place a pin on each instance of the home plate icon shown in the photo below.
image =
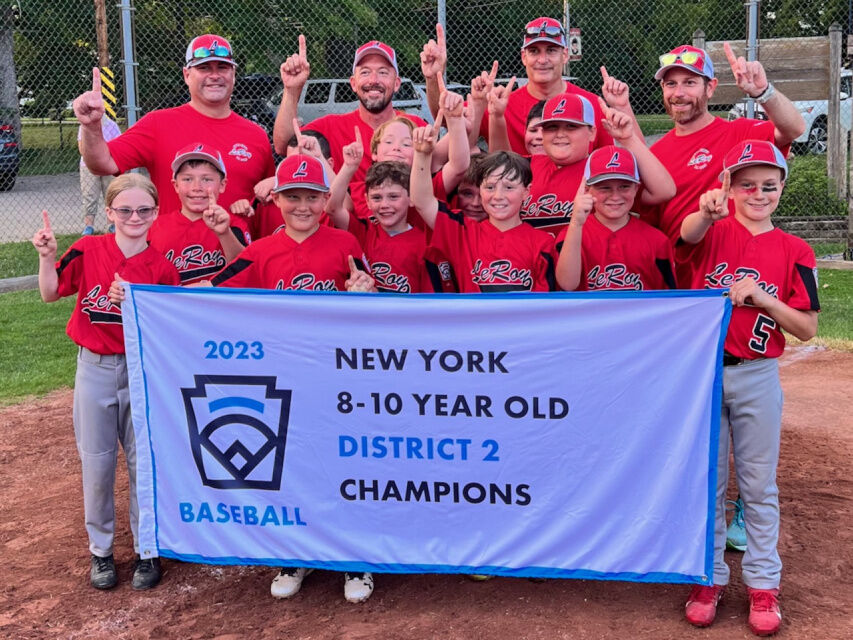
(238, 430)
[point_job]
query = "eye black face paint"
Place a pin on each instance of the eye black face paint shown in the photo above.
(769, 188)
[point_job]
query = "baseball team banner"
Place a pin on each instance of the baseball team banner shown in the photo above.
(552, 435)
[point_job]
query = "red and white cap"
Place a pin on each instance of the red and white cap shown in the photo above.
(300, 171)
(374, 47)
(611, 163)
(209, 48)
(686, 57)
(198, 151)
(568, 107)
(754, 152)
(544, 30)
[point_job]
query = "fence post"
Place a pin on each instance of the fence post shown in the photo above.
(128, 60)
(834, 152)
(699, 39)
(751, 46)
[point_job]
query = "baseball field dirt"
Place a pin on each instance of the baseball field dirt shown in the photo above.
(44, 560)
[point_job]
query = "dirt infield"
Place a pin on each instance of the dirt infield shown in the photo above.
(44, 560)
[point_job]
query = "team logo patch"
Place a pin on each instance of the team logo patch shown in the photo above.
(241, 152)
(746, 154)
(301, 170)
(560, 108)
(501, 275)
(238, 430)
(614, 161)
(701, 159)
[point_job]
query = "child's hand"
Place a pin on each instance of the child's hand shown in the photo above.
(713, 204)
(615, 91)
(616, 123)
(354, 151)
(747, 292)
(263, 190)
(306, 144)
(482, 85)
(215, 217)
(44, 241)
(583, 204)
(359, 280)
(242, 207)
(296, 70)
(116, 292)
(423, 138)
(499, 98)
(449, 102)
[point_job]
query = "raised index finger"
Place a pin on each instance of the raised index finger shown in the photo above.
(727, 180)
(358, 136)
(439, 35)
(494, 72)
(45, 219)
(303, 47)
(510, 85)
(583, 188)
(730, 55)
(353, 270)
(440, 79)
(436, 129)
(604, 75)
(96, 80)
(296, 129)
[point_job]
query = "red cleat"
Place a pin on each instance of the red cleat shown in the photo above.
(701, 604)
(765, 616)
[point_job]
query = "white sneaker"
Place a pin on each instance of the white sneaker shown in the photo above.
(288, 581)
(358, 586)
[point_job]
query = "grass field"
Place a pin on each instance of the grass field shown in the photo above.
(21, 258)
(48, 149)
(38, 357)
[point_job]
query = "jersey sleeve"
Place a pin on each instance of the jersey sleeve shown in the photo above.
(168, 274)
(448, 235)
(69, 269)
(546, 279)
(136, 146)
(665, 261)
(242, 271)
(358, 228)
(803, 292)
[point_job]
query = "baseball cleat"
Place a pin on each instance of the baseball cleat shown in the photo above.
(701, 607)
(288, 581)
(146, 573)
(765, 616)
(358, 586)
(102, 573)
(736, 533)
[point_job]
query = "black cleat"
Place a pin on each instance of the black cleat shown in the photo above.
(146, 573)
(103, 572)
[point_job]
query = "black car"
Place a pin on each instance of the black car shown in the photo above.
(9, 157)
(251, 99)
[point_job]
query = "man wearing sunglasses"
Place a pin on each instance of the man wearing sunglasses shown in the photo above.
(153, 141)
(693, 150)
(544, 52)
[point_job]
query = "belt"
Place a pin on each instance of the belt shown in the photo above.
(732, 361)
(98, 358)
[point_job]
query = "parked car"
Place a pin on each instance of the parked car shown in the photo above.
(9, 157)
(815, 113)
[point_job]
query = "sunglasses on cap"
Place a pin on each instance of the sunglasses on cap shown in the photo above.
(547, 29)
(687, 57)
(217, 50)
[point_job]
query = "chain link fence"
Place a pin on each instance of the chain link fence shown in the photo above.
(53, 46)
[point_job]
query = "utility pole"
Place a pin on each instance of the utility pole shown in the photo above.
(108, 87)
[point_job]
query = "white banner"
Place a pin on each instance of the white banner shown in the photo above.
(552, 435)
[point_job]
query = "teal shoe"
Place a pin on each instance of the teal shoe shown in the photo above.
(88, 230)
(736, 533)
(111, 229)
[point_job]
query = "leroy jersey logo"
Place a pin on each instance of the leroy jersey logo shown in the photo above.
(98, 307)
(195, 262)
(237, 430)
(389, 282)
(500, 275)
(613, 276)
(307, 282)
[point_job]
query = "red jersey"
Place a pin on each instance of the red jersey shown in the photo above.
(552, 194)
(695, 162)
(190, 245)
(396, 262)
(518, 107)
(339, 130)
(783, 265)
(636, 257)
(318, 263)
(487, 260)
(88, 268)
(154, 140)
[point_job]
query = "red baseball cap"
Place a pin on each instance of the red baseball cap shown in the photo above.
(754, 152)
(208, 48)
(300, 171)
(198, 151)
(544, 30)
(374, 47)
(568, 107)
(611, 163)
(686, 57)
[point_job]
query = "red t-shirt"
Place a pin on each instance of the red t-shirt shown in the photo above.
(154, 140)
(88, 268)
(396, 262)
(318, 263)
(636, 257)
(190, 245)
(339, 130)
(695, 162)
(552, 194)
(783, 265)
(518, 107)
(488, 260)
